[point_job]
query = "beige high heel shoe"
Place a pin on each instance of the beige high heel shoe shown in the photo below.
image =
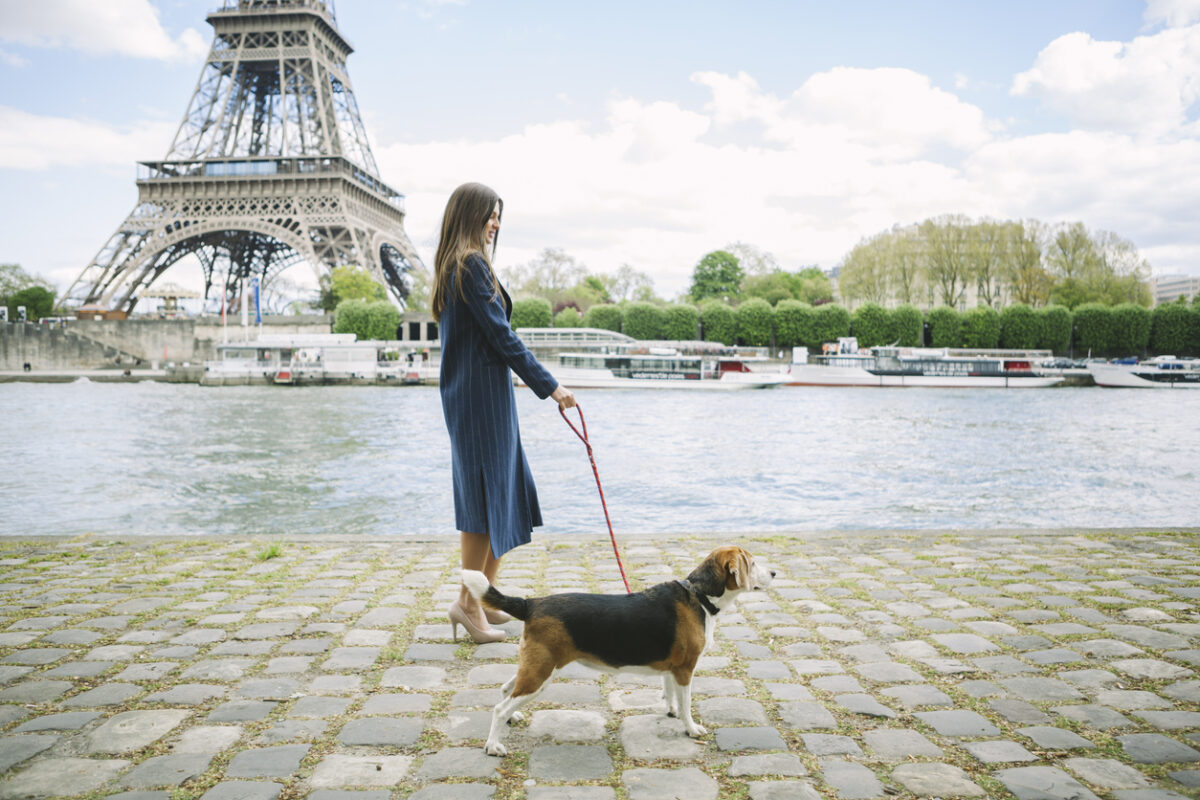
(496, 616)
(480, 635)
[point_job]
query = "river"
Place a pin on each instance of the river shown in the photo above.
(156, 458)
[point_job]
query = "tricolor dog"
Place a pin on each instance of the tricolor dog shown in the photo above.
(661, 630)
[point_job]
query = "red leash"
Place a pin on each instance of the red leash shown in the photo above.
(583, 437)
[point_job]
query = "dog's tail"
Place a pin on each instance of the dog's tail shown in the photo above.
(479, 586)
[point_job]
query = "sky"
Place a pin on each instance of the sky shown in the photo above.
(649, 133)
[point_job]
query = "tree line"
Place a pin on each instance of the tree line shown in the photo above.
(1005, 261)
(1091, 329)
(19, 288)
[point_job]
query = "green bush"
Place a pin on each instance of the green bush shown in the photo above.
(871, 324)
(908, 326)
(604, 316)
(1130, 329)
(1093, 329)
(569, 317)
(1056, 329)
(683, 322)
(981, 328)
(644, 321)
(375, 319)
(755, 322)
(1194, 341)
(830, 322)
(1170, 329)
(793, 323)
(383, 319)
(1020, 328)
(532, 312)
(717, 322)
(945, 327)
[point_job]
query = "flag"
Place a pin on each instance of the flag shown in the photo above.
(257, 304)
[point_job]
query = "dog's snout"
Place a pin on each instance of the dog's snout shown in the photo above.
(772, 573)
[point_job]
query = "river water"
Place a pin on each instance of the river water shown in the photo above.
(154, 458)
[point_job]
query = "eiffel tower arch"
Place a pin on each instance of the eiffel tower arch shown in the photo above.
(270, 167)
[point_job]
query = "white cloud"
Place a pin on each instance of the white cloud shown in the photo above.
(34, 142)
(1171, 12)
(1146, 86)
(122, 27)
(13, 60)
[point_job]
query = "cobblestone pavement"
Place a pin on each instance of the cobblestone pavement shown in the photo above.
(1029, 665)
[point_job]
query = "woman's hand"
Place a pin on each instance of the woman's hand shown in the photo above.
(564, 397)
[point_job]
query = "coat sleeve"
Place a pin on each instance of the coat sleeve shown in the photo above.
(489, 313)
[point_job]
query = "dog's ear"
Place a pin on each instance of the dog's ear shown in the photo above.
(737, 569)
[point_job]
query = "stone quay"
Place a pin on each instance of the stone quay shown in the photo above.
(1028, 664)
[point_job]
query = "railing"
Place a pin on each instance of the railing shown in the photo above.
(251, 167)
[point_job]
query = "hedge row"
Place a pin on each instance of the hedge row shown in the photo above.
(1100, 330)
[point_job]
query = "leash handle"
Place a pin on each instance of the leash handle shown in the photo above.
(583, 437)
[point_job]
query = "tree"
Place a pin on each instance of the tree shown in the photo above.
(865, 273)
(753, 259)
(548, 275)
(13, 279)
(945, 327)
(755, 322)
(1027, 277)
(830, 323)
(349, 282)
(38, 302)
(1057, 324)
(717, 322)
(717, 275)
(793, 323)
(1130, 329)
(604, 316)
(644, 321)
(628, 283)
(990, 243)
(420, 290)
(1020, 328)
(946, 256)
(907, 267)
(1093, 329)
(531, 312)
(811, 285)
(569, 317)
(908, 326)
(769, 286)
(981, 328)
(383, 319)
(871, 325)
(683, 322)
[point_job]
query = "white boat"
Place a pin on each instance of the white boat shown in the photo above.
(659, 368)
(310, 359)
(915, 366)
(1160, 372)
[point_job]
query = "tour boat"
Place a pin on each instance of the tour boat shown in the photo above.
(1161, 372)
(658, 368)
(846, 365)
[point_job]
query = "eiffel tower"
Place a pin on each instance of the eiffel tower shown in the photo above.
(271, 166)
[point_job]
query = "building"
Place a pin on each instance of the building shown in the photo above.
(1168, 288)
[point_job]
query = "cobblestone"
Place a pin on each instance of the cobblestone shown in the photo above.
(1055, 664)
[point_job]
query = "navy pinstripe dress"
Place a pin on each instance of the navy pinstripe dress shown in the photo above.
(493, 488)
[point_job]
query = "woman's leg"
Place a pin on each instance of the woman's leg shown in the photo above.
(477, 555)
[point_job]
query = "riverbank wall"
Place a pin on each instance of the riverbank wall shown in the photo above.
(94, 343)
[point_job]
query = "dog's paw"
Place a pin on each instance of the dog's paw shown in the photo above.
(516, 718)
(696, 731)
(672, 712)
(495, 749)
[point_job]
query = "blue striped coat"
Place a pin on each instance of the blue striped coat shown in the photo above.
(493, 488)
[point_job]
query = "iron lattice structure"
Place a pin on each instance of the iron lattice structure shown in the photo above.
(271, 166)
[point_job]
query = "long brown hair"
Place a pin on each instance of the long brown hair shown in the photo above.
(467, 213)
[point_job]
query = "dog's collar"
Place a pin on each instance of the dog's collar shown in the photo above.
(701, 596)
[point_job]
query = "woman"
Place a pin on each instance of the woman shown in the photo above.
(495, 501)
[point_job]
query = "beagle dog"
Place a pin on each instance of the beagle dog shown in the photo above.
(662, 630)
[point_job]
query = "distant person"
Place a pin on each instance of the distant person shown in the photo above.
(495, 500)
